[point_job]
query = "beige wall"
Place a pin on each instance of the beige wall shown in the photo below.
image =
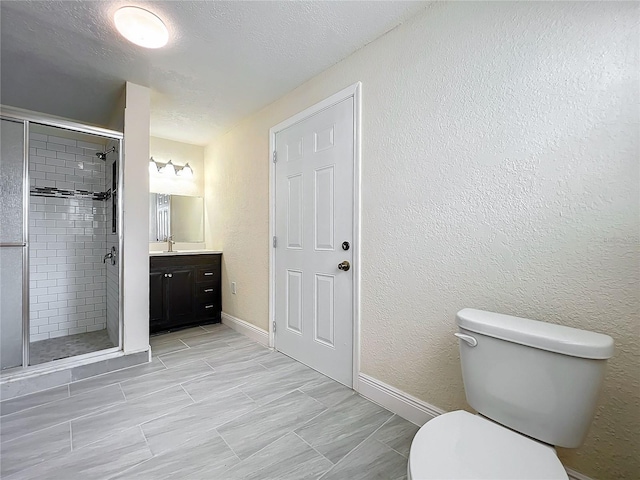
(180, 153)
(499, 171)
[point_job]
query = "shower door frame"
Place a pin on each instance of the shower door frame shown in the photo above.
(27, 118)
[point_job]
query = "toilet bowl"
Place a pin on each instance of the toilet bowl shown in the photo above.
(534, 385)
(459, 445)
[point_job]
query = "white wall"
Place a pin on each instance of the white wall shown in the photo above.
(135, 253)
(499, 171)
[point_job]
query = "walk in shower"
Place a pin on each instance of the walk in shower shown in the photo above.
(60, 240)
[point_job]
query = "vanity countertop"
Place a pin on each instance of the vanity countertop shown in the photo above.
(183, 252)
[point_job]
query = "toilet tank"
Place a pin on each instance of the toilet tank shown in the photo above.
(537, 378)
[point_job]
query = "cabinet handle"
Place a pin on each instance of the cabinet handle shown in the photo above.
(208, 306)
(208, 274)
(207, 290)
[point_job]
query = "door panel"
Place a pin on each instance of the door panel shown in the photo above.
(180, 296)
(12, 239)
(314, 215)
(156, 298)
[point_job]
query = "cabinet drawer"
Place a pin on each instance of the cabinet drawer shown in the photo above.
(209, 273)
(208, 310)
(207, 290)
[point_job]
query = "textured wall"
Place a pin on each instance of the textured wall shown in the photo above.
(499, 171)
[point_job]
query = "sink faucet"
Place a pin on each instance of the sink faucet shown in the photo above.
(170, 243)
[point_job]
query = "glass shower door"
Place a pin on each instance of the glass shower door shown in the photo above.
(13, 246)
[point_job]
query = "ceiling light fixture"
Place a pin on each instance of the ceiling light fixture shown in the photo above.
(141, 27)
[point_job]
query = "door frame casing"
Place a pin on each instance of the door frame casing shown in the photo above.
(353, 91)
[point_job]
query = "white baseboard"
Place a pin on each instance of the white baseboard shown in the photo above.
(396, 401)
(411, 408)
(573, 475)
(246, 328)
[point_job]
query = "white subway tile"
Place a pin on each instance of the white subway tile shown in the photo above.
(55, 146)
(38, 136)
(62, 140)
(59, 333)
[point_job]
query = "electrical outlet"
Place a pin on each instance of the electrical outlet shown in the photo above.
(233, 287)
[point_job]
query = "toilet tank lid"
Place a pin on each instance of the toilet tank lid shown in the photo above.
(533, 333)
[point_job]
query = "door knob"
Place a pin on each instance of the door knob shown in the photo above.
(344, 266)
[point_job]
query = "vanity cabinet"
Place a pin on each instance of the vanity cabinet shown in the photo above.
(184, 290)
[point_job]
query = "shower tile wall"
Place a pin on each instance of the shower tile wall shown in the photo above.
(67, 239)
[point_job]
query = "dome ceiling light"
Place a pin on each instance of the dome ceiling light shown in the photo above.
(141, 27)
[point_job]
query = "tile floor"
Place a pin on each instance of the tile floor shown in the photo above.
(212, 405)
(68, 346)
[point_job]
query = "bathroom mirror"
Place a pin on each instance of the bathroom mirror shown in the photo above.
(179, 216)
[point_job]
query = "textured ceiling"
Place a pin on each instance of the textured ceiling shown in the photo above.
(224, 60)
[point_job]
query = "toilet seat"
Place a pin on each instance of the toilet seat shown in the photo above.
(459, 445)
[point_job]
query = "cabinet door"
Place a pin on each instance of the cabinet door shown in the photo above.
(156, 300)
(180, 304)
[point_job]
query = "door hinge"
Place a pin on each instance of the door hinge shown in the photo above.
(275, 241)
(275, 156)
(274, 326)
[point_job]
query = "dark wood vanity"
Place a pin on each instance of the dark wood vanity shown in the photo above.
(184, 290)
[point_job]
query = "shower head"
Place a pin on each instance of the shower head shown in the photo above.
(103, 155)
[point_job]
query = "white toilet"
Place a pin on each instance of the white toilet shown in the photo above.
(534, 385)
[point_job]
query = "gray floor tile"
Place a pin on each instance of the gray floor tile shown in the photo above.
(35, 448)
(111, 378)
(34, 384)
(206, 439)
(288, 458)
(195, 422)
(222, 356)
(193, 461)
(186, 333)
(54, 413)
(279, 381)
(164, 347)
(35, 399)
(159, 380)
(326, 391)
(231, 375)
(92, 428)
(398, 434)
(216, 336)
(188, 355)
(214, 327)
(277, 360)
(341, 428)
(255, 430)
(101, 460)
(372, 460)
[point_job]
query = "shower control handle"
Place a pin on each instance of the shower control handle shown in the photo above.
(110, 256)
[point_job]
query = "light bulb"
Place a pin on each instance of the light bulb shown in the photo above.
(186, 171)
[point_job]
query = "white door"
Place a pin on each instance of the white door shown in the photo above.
(314, 181)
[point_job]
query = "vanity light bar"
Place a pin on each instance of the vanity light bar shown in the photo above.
(170, 169)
